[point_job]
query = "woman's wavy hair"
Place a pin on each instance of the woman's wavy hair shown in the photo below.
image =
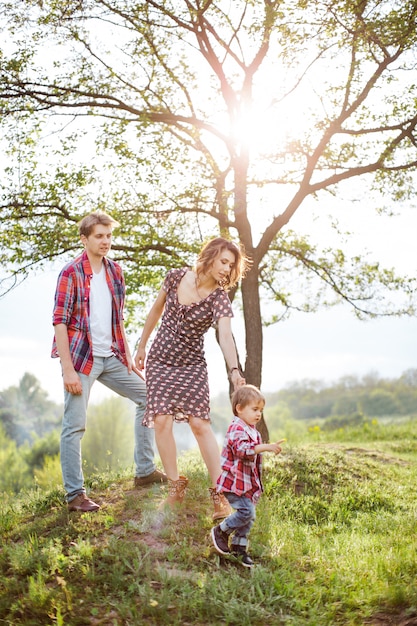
(211, 251)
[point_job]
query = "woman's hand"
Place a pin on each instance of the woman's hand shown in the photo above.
(140, 358)
(228, 347)
(237, 379)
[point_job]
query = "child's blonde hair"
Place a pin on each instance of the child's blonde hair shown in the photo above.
(246, 394)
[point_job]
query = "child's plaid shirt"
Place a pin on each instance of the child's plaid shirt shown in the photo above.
(241, 466)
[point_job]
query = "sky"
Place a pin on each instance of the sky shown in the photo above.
(323, 346)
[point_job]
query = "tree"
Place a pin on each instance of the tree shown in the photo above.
(380, 402)
(14, 474)
(108, 441)
(42, 449)
(191, 106)
(26, 412)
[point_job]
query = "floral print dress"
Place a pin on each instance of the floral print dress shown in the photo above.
(176, 369)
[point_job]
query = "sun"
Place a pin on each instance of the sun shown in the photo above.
(270, 127)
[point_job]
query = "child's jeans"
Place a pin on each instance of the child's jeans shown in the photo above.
(241, 521)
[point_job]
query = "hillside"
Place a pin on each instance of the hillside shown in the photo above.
(334, 542)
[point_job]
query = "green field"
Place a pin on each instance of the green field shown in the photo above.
(334, 542)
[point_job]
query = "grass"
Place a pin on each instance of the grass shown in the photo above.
(334, 542)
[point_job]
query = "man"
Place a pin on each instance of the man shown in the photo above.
(91, 342)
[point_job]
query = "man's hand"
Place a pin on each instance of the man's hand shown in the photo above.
(72, 383)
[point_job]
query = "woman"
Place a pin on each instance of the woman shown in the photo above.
(191, 301)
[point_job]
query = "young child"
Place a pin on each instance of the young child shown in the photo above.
(241, 480)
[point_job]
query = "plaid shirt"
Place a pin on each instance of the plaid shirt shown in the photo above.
(241, 466)
(72, 308)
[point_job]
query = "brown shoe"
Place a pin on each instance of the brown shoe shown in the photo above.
(221, 506)
(176, 491)
(156, 477)
(83, 504)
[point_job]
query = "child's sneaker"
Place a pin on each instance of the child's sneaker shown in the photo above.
(220, 540)
(242, 555)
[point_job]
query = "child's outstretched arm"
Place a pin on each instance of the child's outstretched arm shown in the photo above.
(269, 447)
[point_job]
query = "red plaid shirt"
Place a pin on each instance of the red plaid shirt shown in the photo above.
(72, 308)
(241, 466)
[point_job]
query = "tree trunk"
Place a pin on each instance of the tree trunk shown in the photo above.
(254, 336)
(250, 284)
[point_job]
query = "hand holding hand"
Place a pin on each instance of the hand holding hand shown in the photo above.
(237, 379)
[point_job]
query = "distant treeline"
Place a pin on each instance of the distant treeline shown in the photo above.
(350, 399)
(30, 423)
(370, 396)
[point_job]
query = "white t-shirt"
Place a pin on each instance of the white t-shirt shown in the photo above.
(100, 314)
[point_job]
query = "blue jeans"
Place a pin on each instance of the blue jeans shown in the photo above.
(241, 521)
(114, 375)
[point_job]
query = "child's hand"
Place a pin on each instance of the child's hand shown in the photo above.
(269, 447)
(275, 447)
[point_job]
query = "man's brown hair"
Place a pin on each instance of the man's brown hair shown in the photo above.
(86, 225)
